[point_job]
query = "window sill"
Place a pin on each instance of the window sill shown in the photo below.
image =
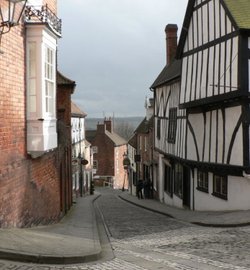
(202, 189)
(223, 197)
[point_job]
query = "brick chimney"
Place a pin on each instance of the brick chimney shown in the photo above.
(108, 125)
(100, 128)
(171, 41)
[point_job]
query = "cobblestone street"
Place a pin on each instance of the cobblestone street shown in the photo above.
(143, 240)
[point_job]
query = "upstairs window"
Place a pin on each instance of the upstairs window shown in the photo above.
(94, 149)
(158, 128)
(41, 73)
(32, 78)
(172, 125)
(49, 81)
(95, 164)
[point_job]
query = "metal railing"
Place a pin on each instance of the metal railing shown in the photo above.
(43, 14)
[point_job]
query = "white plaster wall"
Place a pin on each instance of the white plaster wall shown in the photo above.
(174, 201)
(238, 196)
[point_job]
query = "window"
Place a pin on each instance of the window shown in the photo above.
(178, 180)
(95, 164)
(49, 81)
(172, 125)
(168, 180)
(220, 186)
(202, 181)
(95, 149)
(32, 78)
(41, 89)
(158, 128)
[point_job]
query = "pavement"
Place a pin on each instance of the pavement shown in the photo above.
(75, 239)
(202, 218)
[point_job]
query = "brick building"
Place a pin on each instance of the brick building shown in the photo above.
(108, 154)
(65, 87)
(30, 178)
(81, 154)
(144, 146)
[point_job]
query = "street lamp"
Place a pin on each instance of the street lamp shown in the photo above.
(10, 15)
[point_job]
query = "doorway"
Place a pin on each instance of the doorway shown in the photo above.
(186, 187)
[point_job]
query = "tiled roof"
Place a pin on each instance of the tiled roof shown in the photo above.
(61, 79)
(90, 135)
(240, 9)
(117, 140)
(145, 125)
(169, 73)
(76, 111)
(133, 141)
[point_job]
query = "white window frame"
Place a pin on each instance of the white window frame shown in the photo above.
(49, 80)
(41, 46)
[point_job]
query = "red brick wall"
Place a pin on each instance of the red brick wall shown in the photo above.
(108, 154)
(65, 151)
(29, 188)
(105, 155)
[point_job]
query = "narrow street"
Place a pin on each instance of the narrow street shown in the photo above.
(144, 240)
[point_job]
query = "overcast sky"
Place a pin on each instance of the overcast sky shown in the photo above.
(114, 50)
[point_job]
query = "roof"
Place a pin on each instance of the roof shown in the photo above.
(145, 125)
(169, 73)
(239, 10)
(115, 138)
(133, 141)
(63, 80)
(76, 111)
(90, 135)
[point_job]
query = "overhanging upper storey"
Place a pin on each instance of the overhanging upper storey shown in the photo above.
(214, 51)
(43, 15)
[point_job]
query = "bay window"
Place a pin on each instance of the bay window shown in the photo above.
(41, 46)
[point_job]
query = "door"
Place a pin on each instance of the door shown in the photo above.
(186, 187)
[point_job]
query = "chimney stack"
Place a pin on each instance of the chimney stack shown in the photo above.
(171, 41)
(108, 124)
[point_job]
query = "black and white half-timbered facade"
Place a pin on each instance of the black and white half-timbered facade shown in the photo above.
(209, 148)
(170, 129)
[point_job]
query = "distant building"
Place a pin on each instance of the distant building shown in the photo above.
(81, 158)
(144, 145)
(108, 154)
(132, 146)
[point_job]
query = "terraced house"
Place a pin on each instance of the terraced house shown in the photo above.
(202, 121)
(32, 165)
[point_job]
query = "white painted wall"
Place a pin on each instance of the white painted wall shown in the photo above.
(238, 196)
(199, 126)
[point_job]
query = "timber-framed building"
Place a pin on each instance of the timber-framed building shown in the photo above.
(209, 122)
